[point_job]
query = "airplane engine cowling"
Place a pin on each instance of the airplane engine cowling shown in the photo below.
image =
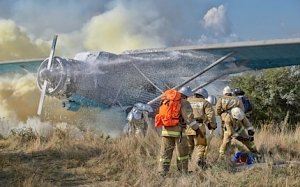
(58, 76)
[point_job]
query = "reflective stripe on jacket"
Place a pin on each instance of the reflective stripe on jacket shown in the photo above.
(187, 118)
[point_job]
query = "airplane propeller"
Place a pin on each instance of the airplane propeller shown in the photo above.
(44, 87)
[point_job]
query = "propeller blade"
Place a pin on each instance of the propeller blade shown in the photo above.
(42, 98)
(50, 59)
(52, 52)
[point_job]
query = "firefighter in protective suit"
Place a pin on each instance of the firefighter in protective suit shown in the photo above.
(213, 101)
(138, 119)
(175, 138)
(248, 106)
(204, 115)
(226, 102)
(238, 131)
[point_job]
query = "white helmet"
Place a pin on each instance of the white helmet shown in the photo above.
(203, 92)
(143, 107)
(137, 111)
(237, 113)
(185, 90)
(212, 99)
(227, 90)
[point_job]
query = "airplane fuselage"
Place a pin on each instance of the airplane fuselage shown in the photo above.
(105, 79)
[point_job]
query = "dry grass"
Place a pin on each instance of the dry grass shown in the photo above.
(129, 161)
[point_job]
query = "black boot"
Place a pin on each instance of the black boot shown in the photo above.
(202, 163)
(165, 171)
(259, 157)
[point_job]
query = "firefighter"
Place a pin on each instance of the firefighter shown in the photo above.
(174, 137)
(138, 119)
(204, 115)
(225, 103)
(248, 106)
(238, 131)
(213, 101)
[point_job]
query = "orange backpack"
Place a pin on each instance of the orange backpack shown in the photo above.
(169, 110)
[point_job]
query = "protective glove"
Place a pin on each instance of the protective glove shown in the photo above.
(251, 138)
(251, 132)
(240, 138)
(210, 127)
(199, 133)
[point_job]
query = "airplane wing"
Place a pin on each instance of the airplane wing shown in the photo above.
(253, 55)
(257, 54)
(104, 79)
(14, 66)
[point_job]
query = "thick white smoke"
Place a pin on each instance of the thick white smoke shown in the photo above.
(16, 44)
(44, 18)
(118, 30)
(92, 25)
(216, 20)
(18, 96)
(116, 25)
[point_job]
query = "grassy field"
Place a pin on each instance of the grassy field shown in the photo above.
(62, 160)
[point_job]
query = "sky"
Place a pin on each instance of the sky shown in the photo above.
(27, 26)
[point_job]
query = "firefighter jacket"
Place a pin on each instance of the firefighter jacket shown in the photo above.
(203, 113)
(235, 127)
(186, 118)
(236, 132)
(226, 103)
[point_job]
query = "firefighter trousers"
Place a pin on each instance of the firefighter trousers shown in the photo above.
(250, 145)
(194, 145)
(166, 152)
(241, 145)
(198, 143)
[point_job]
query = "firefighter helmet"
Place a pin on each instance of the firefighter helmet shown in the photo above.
(212, 99)
(185, 90)
(227, 90)
(237, 113)
(238, 91)
(203, 92)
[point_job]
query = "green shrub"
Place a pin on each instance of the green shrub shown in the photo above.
(275, 93)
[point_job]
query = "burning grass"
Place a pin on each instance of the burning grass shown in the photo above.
(62, 160)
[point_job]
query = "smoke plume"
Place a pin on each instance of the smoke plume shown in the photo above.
(92, 25)
(15, 43)
(216, 20)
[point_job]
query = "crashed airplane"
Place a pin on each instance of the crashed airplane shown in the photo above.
(102, 79)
